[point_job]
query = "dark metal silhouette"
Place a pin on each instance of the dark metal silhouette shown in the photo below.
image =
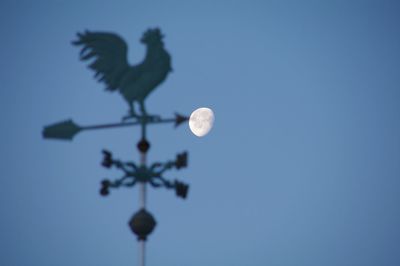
(110, 64)
(152, 174)
(142, 224)
(66, 130)
(108, 52)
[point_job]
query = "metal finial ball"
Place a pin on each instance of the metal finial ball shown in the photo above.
(143, 145)
(142, 224)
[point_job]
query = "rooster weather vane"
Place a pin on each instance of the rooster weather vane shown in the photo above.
(111, 66)
(107, 56)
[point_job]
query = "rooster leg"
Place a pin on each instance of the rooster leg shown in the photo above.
(131, 113)
(132, 110)
(145, 114)
(142, 108)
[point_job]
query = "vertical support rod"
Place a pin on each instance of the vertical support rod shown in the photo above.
(142, 205)
(142, 185)
(142, 191)
(141, 252)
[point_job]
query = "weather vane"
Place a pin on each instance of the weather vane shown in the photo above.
(107, 54)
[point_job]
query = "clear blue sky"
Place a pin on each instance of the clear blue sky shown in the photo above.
(302, 167)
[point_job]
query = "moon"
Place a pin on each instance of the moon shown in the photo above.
(201, 121)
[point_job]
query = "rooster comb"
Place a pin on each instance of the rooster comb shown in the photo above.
(153, 33)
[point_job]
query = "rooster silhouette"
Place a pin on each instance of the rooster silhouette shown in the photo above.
(111, 66)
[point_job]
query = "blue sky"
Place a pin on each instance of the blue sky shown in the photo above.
(301, 168)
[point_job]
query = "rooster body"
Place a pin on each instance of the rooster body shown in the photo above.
(111, 66)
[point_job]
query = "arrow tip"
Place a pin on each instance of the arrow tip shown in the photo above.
(179, 119)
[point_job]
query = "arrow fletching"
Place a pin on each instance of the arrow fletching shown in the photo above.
(65, 130)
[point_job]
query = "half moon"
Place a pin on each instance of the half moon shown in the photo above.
(201, 121)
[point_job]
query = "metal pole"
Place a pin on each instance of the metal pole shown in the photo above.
(142, 202)
(142, 185)
(142, 205)
(141, 252)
